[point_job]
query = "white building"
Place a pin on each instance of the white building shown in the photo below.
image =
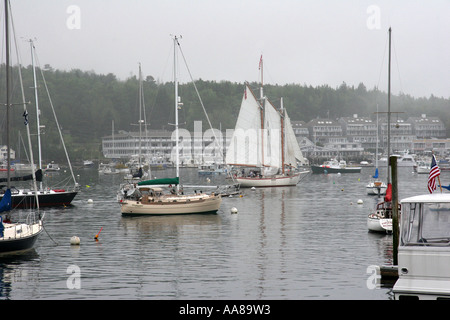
(4, 153)
(194, 148)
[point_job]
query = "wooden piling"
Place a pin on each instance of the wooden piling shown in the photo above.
(395, 227)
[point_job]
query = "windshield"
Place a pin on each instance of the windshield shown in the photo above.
(425, 224)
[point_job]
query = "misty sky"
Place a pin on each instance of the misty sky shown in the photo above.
(310, 42)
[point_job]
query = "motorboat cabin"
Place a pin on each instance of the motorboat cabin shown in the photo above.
(424, 248)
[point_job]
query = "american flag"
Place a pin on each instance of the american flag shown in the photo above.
(434, 172)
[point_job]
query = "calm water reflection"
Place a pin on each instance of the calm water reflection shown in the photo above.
(304, 242)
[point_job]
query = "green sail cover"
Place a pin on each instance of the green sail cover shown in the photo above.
(159, 181)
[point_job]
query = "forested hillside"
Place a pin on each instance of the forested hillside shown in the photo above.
(86, 104)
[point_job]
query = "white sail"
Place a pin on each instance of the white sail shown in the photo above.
(244, 149)
(293, 152)
(272, 138)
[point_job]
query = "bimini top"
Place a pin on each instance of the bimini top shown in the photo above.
(428, 198)
(164, 181)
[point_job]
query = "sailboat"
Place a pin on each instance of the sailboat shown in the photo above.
(48, 197)
(14, 236)
(150, 198)
(136, 162)
(263, 150)
(381, 219)
(376, 187)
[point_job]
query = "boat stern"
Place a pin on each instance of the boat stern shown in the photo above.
(423, 273)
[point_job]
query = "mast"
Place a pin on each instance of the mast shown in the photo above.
(140, 114)
(8, 76)
(389, 109)
(376, 148)
(177, 101)
(262, 74)
(37, 110)
(261, 108)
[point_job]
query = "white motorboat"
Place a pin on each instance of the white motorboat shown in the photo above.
(424, 248)
(335, 166)
(52, 166)
(423, 167)
(209, 169)
(404, 159)
(88, 163)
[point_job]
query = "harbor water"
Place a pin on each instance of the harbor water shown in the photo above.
(305, 242)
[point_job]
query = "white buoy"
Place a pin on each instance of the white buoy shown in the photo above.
(234, 210)
(75, 241)
(360, 201)
(90, 201)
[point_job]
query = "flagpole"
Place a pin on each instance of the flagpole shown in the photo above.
(439, 176)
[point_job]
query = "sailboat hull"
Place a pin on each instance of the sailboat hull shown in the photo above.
(379, 225)
(374, 189)
(173, 206)
(275, 181)
(50, 198)
(22, 240)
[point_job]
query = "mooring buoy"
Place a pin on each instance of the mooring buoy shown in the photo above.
(75, 241)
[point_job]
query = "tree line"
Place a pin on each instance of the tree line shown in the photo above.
(87, 103)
